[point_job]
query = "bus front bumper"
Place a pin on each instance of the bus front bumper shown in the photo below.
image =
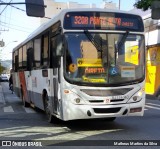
(73, 111)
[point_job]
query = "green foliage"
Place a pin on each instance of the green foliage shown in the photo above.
(144, 4)
(2, 69)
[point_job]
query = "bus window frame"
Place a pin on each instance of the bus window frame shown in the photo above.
(55, 31)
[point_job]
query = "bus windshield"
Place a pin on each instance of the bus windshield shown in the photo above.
(104, 58)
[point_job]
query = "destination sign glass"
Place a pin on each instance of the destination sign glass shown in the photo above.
(103, 21)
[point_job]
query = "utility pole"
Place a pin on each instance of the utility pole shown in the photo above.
(119, 4)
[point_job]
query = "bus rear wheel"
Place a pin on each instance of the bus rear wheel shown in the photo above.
(47, 109)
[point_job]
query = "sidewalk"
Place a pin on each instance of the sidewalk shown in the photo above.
(2, 101)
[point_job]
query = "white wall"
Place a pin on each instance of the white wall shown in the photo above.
(152, 37)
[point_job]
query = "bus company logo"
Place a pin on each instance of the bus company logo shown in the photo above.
(107, 100)
(6, 143)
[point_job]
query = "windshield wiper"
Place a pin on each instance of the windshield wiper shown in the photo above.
(123, 39)
(96, 42)
(119, 45)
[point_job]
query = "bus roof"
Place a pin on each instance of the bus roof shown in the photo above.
(60, 16)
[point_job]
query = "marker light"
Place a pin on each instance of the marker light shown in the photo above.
(66, 91)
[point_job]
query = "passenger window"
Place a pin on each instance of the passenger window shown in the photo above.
(20, 57)
(45, 49)
(24, 62)
(37, 52)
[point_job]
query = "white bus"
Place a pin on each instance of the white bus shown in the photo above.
(81, 65)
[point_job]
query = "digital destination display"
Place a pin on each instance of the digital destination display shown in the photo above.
(104, 21)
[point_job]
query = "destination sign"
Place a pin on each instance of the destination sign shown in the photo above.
(104, 21)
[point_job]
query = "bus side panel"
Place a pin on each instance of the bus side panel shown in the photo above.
(28, 85)
(16, 84)
(39, 83)
(23, 86)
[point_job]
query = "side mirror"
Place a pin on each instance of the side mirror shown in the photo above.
(35, 8)
(155, 6)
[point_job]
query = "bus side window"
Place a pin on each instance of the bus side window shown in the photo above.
(20, 51)
(29, 59)
(37, 52)
(24, 57)
(16, 63)
(45, 50)
(56, 46)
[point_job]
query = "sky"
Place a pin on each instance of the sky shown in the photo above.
(124, 4)
(16, 26)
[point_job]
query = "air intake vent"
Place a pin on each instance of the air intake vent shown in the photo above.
(106, 110)
(103, 93)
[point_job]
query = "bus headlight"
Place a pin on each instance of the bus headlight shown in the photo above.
(77, 100)
(73, 97)
(137, 97)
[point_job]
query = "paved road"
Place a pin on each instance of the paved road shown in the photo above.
(19, 123)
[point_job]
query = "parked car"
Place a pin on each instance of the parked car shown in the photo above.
(3, 78)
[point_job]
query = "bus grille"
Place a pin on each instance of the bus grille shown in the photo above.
(106, 110)
(102, 101)
(102, 93)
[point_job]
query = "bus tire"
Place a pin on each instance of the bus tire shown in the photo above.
(47, 110)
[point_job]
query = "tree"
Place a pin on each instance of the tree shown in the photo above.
(143, 4)
(153, 4)
(1, 69)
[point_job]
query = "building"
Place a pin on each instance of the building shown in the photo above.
(54, 7)
(108, 5)
(152, 41)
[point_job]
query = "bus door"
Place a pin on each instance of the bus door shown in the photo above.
(56, 77)
(29, 75)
